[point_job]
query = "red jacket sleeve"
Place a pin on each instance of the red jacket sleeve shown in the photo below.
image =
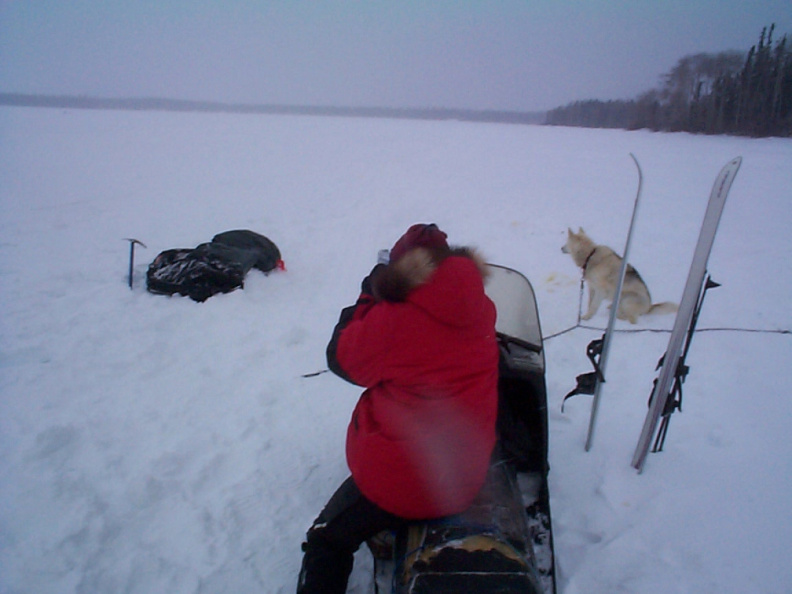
(363, 345)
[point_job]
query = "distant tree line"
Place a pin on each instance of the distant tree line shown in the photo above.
(722, 93)
(159, 104)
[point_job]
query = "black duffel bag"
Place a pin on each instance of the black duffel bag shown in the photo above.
(219, 266)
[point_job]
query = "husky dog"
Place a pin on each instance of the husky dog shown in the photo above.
(601, 267)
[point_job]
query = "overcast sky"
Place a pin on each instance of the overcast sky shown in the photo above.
(520, 55)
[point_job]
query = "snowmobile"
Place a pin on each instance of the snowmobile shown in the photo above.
(504, 542)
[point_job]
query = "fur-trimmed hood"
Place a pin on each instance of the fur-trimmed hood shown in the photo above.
(397, 280)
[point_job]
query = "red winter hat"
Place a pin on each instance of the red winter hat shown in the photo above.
(419, 235)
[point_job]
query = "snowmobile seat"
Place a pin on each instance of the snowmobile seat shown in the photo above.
(484, 550)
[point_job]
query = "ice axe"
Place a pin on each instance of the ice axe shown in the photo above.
(132, 243)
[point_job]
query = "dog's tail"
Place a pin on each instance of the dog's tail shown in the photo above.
(666, 307)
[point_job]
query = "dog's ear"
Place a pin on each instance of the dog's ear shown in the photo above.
(569, 231)
(580, 231)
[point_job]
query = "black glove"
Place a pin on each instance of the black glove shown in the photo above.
(366, 286)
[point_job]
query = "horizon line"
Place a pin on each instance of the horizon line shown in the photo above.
(190, 105)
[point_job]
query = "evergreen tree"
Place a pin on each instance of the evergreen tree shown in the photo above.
(721, 93)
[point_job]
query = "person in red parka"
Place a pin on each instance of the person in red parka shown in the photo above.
(421, 341)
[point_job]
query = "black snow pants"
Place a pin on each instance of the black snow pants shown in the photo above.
(346, 522)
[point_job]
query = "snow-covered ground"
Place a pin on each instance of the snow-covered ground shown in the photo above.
(153, 444)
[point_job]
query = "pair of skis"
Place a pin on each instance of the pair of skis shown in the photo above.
(672, 367)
